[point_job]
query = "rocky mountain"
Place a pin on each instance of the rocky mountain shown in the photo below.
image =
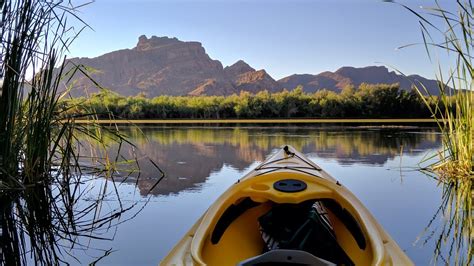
(168, 66)
(246, 78)
(336, 81)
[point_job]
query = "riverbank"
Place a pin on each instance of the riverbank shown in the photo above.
(254, 121)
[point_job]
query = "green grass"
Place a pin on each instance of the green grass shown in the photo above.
(454, 112)
(41, 175)
(451, 32)
(253, 121)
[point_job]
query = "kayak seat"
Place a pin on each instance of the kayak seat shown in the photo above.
(305, 226)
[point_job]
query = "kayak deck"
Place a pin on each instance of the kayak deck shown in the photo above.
(231, 230)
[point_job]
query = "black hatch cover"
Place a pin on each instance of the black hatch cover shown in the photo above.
(289, 185)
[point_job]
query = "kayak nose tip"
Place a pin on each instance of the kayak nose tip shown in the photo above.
(287, 150)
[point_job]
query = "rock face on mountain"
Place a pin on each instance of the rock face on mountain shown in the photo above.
(157, 66)
(245, 78)
(336, 81)
(168, 66)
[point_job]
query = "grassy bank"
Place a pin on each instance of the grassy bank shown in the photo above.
(450, 32)
(447, 30)
(256, 121)
(43, 175)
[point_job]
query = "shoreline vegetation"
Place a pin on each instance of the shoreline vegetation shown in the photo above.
(50, 203)
(368, 101)
(448, 31)
(256, 121)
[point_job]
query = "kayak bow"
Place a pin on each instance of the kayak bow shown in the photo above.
(287, 211)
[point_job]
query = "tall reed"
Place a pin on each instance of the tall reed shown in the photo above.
(32, 45)
(42, 170)
(450, 33)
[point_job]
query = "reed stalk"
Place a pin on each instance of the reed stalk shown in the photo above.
(42, 171)
(450, 33)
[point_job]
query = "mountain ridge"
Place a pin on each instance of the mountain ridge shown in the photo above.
(168, 66)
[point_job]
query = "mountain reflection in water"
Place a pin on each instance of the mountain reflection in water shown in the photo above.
(188, 155)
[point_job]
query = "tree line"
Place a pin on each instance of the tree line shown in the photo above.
(366, 101)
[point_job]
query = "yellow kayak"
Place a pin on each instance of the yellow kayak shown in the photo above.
(287, 211)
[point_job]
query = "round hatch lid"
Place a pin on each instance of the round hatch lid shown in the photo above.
(289, 185)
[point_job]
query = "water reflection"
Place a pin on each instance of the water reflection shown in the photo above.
(190, 154)
(453, 235)
(47, 223)
(201, 162)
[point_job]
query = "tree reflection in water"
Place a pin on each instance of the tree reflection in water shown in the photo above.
(189, 154)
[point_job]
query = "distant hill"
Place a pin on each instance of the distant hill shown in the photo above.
(245, 78)
(336, 81)
(168, 66)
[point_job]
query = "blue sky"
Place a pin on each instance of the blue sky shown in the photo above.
(282, 36)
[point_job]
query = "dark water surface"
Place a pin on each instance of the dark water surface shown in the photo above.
(375, 162)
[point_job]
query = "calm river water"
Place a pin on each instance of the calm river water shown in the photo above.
(377, 163)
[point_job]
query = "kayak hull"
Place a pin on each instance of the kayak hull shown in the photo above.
(222, 237)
